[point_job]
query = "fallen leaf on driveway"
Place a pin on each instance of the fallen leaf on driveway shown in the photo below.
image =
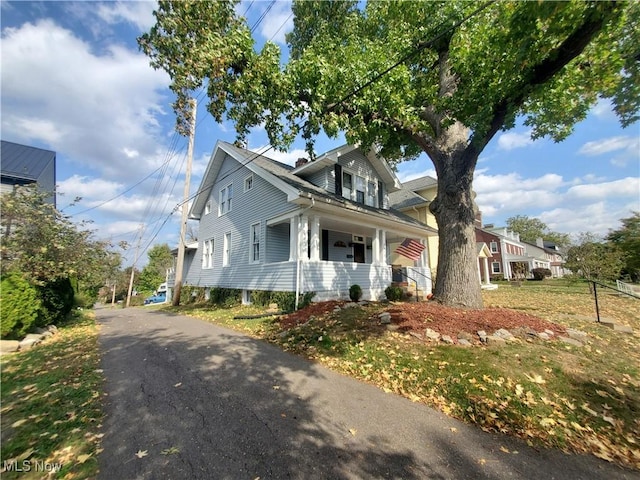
(353, 431)
(142, 453)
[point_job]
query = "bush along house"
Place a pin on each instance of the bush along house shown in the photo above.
(321, 226)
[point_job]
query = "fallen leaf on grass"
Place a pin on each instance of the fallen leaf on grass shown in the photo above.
(83, 458)
(142, 453)
(18, 423)
(536, 378)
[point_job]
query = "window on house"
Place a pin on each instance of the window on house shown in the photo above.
(226, 194)
(248, 183)
(207, 208)
(371, 194)
(347, 185)
(255, 243)
(495, 267)
(207, 253)
(226, 254)
(360, 183)
(494, 247)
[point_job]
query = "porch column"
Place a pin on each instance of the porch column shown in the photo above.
(293, 239)
(479, 273)
(315, 239)
(303, 238)
(375, 248)
(383, 247)
(486, 271)
(422, 263)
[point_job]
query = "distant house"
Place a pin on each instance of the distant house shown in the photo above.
(490, 265)
(413, 199)
(320, 226)
(24, 165)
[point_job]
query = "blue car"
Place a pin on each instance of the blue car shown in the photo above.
(160, 297)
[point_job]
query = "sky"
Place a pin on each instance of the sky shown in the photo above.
(74, 81)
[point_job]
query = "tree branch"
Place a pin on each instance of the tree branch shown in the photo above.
(544, 71)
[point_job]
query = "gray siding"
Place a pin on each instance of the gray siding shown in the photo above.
(262, 202)
(277, 247)
(320, 179)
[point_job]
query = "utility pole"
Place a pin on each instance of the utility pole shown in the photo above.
(133, 267)
(177, 287)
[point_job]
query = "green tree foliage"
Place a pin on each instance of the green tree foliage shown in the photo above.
(409, 77)
(19, 305)
(50, 251)
(627, 239)
(594, 259)
(155, 271)
(530, 229)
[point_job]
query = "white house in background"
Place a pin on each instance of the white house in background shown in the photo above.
(320, 226)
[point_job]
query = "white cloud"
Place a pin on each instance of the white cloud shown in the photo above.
(90, 107)
(288, 158)
(89, 189)
(277, 23)
(136, 13)
(607, 145)
(511, 140)
(624, 187)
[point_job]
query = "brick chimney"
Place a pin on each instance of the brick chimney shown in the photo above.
(300, 162)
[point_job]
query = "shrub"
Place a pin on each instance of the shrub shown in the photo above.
(190, 294)
(19, 305)
(355, 292)
(540, 273)
(286, 301)
(225, 297)
(57, 301)
(262, 298)
(394, 293)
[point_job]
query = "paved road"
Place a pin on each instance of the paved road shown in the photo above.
(221, 405)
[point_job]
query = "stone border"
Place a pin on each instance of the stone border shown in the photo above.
(29, 341)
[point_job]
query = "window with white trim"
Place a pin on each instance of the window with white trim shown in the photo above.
(248, 183)
(207, 208)
(495, 267)
(347, 185)
(226, 254)
(494, 247)
(226, 195)
(207, 253)
(254, 254)
(371, 194)
(360, 183)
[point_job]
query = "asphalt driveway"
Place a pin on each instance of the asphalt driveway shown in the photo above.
(190, 400)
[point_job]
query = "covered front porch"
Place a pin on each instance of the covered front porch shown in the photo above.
(322, 252)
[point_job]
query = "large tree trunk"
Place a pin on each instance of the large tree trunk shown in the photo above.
(457, 282)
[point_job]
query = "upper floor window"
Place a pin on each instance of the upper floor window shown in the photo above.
(248, 183)
(371, 194)
(207, 253)
(207, 208)
(347, 185)
(360, 183)
(226, 195)
(494, 247)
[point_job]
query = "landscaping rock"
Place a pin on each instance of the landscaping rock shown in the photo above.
(465, 336)
(495, 340)
(544, 336)
(8, 346)
(504, 334)
(482, 335)
(463, 342)
(577, 335)
(28, 343)
(385, 318)
(447, 339)
(432, 335)
(622, 328)
(351, 305)
(549, 333)
(417, 335)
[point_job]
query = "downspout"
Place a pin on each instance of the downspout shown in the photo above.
(298, 260)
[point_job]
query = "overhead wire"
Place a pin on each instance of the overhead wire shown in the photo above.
(420, 47)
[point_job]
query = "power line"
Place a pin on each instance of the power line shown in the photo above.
(264, 14)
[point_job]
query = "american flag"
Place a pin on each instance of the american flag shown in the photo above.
(411, 249)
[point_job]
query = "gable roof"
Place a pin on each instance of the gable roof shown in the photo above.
(24, 163)
(420, 183)
(281, 176)
(403, 199)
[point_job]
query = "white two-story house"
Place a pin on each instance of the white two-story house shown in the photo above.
(320, 226)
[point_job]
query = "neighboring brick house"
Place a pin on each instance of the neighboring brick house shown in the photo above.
(24, 165)
(495, 262)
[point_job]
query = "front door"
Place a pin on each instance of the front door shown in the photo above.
(358, 252)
